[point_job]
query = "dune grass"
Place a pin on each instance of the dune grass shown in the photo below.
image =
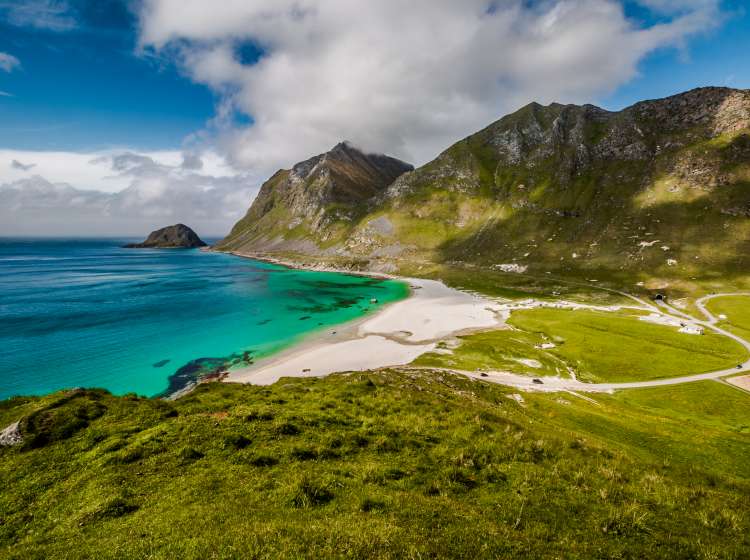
(378, 465)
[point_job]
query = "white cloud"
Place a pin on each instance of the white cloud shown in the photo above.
(93, 170)
(141, 193)
(8, 62)
(54, 15)
(406, 78)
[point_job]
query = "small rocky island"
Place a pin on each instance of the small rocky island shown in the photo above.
(178, 236)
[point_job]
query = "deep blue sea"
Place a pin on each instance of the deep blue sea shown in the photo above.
(88, 313)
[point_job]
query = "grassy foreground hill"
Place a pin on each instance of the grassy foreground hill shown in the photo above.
(393, 464)
(659, 191)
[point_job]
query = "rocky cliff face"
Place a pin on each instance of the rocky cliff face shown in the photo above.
(660, 188)
(303, 208)
(572, 139)
(170, 237)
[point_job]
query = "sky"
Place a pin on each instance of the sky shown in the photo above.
(121, 116)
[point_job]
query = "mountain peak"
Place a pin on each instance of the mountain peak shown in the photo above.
(331, 188)
(344, 146)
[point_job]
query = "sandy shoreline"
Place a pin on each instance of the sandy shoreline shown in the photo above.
(395, 335)
(401, 331)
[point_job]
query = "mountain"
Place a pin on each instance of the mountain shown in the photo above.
(170, 237)
(303, 208)
(659, 188)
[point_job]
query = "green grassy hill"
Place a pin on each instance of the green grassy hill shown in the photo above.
(394, 464)
(659, 191)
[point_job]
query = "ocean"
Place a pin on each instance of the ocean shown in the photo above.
(88, 313)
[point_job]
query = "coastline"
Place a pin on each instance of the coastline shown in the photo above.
(341, 332)
(393, 336)
(319, 267)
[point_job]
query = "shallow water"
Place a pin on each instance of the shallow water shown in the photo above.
(88, 313)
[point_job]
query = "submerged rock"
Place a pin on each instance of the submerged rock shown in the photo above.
(176, 236)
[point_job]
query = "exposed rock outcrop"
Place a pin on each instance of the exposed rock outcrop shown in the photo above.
(300, 208)
(11, 435)
(170, 237)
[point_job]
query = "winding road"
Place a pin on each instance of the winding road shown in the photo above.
(556, 384)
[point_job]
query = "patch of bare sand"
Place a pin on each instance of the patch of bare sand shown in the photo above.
(741, 381)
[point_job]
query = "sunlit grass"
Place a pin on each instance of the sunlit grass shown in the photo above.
(596, 346)
(378, 465)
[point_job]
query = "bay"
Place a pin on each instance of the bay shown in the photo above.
(88, 313)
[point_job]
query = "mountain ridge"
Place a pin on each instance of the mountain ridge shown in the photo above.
(660, 188)
(314, 195)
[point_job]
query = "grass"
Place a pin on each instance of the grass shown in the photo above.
(691, 427)
(497, 350)
(597, 346)
(737, 312)
(611, 347)
(379, 465)
(509, 285)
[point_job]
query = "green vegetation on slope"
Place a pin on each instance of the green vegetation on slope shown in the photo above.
(510, 285)
(596, 346)
(657, 193)
(694, 427)
(378, 465)
(502, 350)
(737, 312)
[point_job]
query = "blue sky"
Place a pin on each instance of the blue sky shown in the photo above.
(86, 88)
(720, 57)
(153, 111)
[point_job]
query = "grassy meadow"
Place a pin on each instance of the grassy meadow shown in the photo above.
(596, 346)
(737, 312)
(393, 464)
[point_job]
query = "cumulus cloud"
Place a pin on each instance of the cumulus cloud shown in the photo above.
(53, 15)
(93, 170)
(405, 78)
(191, 161)
(8, 62)
(157, 194)
(15, 164)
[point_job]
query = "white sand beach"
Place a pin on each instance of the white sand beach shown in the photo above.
(396, 335)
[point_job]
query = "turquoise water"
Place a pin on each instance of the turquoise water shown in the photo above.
(87, 313)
